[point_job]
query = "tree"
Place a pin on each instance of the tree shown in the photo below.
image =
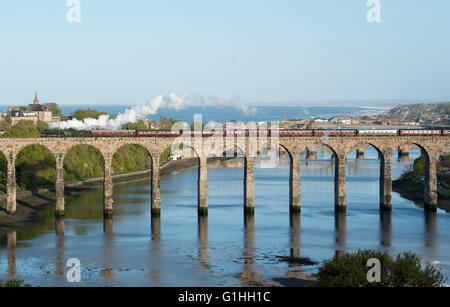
(23, 129)
(83, 114)
(35, 168)
(5, 123)
(41, 126)
(13, 283)
(419, 166)
(166, 123)
(140, 125)
(402, 270)
(53, 107)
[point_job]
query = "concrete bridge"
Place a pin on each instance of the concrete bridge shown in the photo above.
(430, 146)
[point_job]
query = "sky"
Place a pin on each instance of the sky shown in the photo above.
(255, 51)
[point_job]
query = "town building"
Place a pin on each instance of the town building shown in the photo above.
(34, 112)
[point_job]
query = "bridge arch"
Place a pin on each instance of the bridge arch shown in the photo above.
(3, 173)
(124, 158)
(381, 165)
(90, 158)
(35, 167)
(430, 172)
(324, 153)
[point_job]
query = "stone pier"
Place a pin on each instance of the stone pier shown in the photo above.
(203, 185)
(59, 185)
(340, 185)
(249, 185)
(295, 222)
(11, 185)
(430, 182)
(108, 186)
(385, 181)
(156, 191)
(360, 153)
(294, 184)
(403, 151)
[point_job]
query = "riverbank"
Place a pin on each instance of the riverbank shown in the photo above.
(413, 191)
(30, 203)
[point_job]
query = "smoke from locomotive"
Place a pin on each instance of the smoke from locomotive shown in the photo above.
(173, 101)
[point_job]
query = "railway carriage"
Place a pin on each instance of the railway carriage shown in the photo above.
(115, 133)
(295, 132)
(158, 133)
(336, 132)
(378, 132)
(419, 132)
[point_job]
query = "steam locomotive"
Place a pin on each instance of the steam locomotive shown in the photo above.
(255, 133)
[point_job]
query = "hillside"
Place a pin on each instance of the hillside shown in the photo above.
(426, 111)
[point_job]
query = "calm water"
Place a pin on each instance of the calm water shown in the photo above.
(224, 249)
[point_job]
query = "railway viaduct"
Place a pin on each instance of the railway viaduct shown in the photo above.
(430, 146)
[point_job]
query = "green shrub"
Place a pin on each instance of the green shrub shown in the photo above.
(130, 158)
(402, 270)
(445, 180)
(35, 168)
(419, 166)
(13, 283)
(23, 129)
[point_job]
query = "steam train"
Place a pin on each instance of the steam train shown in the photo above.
(255, 133)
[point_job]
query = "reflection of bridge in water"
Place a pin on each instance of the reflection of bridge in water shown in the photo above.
(339, 147)
(249, 275)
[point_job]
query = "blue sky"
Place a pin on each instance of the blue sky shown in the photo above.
(125, 52)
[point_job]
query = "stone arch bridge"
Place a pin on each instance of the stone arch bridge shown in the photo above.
(430, 146)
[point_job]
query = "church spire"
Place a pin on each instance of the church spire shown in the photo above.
(36, 100)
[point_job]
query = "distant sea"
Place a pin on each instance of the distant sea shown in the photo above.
(224, 114)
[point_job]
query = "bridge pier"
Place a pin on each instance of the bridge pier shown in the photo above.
(430, 182)
(203, 185)
(385, 181)
(249, 185)
(156, 192)
(11, 185)
(59, 185)
(403, 151)
(340, 185)
(360, 153)
(108, 186)
(294, 184)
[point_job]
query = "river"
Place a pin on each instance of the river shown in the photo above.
(224, 249)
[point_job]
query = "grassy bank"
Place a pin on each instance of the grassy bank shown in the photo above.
(413, 189)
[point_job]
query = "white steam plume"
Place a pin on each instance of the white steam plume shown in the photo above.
(173, 100)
